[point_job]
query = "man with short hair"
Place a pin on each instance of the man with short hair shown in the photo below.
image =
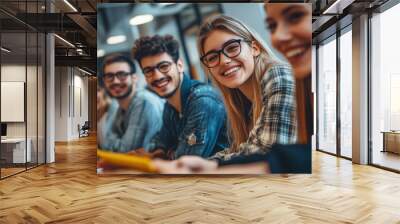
(138, 117)
(194, 118)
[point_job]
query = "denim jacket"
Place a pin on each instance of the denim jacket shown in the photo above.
(126, 130)
(200, 128)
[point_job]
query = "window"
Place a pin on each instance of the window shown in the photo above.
(385, 88)
(346, 93)
(327, 96)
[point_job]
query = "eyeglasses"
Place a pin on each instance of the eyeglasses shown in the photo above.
(230, 49)
(163, 67)
(121, 75)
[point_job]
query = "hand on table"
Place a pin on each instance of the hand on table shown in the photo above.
(170, 167)
(198, 165)
(186, 165)
(250, 168)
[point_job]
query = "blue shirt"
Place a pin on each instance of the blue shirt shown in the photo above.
(126, 130)
(200, 128)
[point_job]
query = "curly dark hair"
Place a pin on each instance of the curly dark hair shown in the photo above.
(153, 45)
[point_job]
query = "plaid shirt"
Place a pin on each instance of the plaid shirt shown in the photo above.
(277, 123)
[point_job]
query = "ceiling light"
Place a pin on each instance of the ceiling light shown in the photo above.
(167, 3)
(337, 7)
(84, 71)
(141, 19)
(70, 5)
(100, 53)
(116, 39)
(5, 50)
(65, 41)
(328, 10)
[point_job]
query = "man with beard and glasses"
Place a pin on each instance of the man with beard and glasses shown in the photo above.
(194, 118)
(138, 117)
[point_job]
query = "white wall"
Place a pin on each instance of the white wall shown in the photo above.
(12, 73)
(70, 83)
(61, 84)
(33, 126)
(80, 93)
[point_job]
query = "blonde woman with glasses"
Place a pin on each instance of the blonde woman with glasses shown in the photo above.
(258, 92)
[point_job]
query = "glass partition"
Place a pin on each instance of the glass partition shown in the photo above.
(31, 98)
(41, 110)
(346, 93)
(327, 96)
(22, 89)
(13, 108)
(385, 89)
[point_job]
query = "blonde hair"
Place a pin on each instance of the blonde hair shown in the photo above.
(234, 100)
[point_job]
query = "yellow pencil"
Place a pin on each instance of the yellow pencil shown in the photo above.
(125, 160)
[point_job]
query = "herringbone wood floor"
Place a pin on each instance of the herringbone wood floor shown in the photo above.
(69, 191)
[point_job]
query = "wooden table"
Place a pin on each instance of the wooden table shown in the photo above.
(391, 141)
(13, 150)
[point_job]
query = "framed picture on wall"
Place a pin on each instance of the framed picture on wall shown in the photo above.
(239, 117)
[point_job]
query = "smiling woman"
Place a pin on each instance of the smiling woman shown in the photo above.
(290, 27)
(257, 89)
